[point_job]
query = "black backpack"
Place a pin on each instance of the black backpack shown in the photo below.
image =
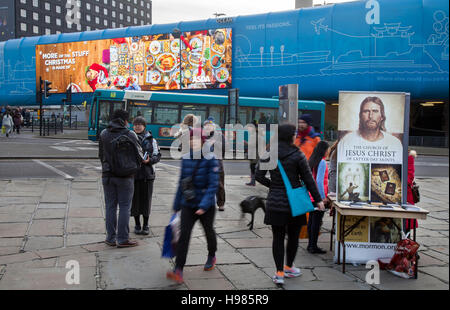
(124, 158)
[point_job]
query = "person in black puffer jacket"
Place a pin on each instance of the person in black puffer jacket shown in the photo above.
(143, 180)
(278, 212)
(205, 180)
(118, 190)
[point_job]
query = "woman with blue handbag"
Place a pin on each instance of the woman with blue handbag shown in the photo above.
(293, 168)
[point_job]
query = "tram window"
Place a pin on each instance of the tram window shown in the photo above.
(218, 113)
(142, 109)
(166, 114)
(106, 110)
(266, 116)
(244, 116)
(198, 111)
(93, 114)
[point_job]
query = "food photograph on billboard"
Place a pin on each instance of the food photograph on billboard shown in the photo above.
(193, 60)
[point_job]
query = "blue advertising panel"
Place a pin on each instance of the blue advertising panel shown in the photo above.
(371, 45)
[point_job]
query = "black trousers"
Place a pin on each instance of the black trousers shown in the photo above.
(279, 233)
(220, 195)
(314, 224)
(188, 219)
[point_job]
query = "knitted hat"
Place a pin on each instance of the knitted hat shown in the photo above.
(306, 118)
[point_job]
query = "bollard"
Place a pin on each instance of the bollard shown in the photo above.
(32, 124)
(55, 125)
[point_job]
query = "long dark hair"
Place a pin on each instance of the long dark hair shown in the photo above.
(319, 152)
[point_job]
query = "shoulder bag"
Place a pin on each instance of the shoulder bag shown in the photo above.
(299, 198)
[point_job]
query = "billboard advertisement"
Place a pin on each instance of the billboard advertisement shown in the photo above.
(192, 60)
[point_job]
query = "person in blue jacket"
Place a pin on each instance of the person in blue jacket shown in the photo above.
(205, 180)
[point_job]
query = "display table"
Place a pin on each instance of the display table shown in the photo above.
(363, 212)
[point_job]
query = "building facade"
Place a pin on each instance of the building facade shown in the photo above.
(45, 17)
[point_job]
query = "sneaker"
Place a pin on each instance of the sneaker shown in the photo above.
(292, 272)
(221, 208)
(210, 263)
(137, 230)
(127, 244)
(250, 184)
(278, 278)
(145, 230)
(175, 275)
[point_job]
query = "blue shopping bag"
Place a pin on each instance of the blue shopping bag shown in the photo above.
(171, 237)
(299, 198)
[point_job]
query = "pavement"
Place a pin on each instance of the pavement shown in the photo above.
(47, 224)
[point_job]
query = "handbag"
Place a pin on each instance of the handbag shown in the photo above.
(171, 236)
(415, 192)
(299, 199)
(187, 185)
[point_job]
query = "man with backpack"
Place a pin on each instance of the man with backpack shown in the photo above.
(121, 156)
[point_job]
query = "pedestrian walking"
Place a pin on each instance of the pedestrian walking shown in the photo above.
(7, 123)
(319, 169)
(214, 137)
(306, 138)
(187, 125)
(121, 156)
(17, 119)
(409, 224)
(195, 199)
(144, 178)
(253, 144)
(278, 211)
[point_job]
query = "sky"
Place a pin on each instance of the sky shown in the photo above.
(171, 11)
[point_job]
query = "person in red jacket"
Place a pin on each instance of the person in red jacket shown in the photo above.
(306, 139)
(409, 224)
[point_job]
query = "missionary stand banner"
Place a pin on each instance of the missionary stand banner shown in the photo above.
(372, 166)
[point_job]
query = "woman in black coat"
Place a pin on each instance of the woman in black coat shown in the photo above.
(278, 211)
(143, 180)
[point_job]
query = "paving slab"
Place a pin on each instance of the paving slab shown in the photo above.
(9, 250)
(142, 268)
(85, 212)
(13, 230)
(388, 281)
(246, 277)
(47, 228)
(85, 199)
(86, 226)
(18, 258)
(47, 205)
(15, 217)
(50, 214)
(37, 263)
(55, 193)
(18, 208)
(209, 284)
(10, 242)
(82, 239)
(41, 243)
(43, 254)
(84, 260)
(46, 279)
(250, 243)
(438, 272)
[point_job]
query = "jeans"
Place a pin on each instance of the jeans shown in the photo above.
(117, 191)
(188, 219)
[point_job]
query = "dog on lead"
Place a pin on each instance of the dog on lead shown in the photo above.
(250, 205)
